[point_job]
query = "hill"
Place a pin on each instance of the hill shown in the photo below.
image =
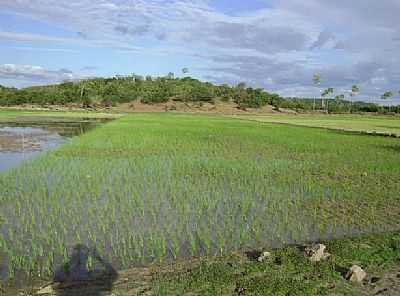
(170, 93)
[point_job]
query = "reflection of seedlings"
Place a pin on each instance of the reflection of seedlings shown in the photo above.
(10, 142)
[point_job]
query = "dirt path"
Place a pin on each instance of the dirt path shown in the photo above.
(130, 282)
(136, 281)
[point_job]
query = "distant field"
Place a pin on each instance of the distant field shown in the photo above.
(152, 187)
(362, 123)
(25, 115)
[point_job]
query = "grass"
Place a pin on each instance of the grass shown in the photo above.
(386, 125)
(7, 115)
(288, 272)
(155, 187)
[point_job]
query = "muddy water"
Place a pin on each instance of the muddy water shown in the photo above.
(24, 140)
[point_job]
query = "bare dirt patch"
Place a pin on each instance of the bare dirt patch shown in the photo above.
(196, 107)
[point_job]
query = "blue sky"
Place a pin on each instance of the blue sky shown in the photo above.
(274, 44)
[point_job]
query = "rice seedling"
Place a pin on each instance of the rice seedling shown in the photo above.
(149, 188)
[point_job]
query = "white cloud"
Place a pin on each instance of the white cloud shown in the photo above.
(59, 50)
(279, 47)
(324, 38)
(16, 36)
(35, 73)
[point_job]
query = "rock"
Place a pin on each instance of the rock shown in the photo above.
(46, 291)
(317, 252)
(264, 255)
(240, 291)
(356, 274)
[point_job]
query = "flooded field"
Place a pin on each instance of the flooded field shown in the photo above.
(23, 140)
(157, 187)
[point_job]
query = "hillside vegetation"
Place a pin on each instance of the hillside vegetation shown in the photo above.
(149, 90)
(108, 92)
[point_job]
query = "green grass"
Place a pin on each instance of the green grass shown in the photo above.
(364, 123)
(146, 188)
(287, 271)
(18, 115)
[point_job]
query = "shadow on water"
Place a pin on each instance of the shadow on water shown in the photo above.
(75, 278)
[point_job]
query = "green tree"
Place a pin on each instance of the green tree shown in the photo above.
(224, 92)
(339, 99)
(325, 94)
(317, 81)
(387, 95)
(354, 92)
(201, 92)
(276, 101)
(240, 95)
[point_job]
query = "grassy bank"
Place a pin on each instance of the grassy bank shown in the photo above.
(289, 272)
(155, 187)
(18, 115)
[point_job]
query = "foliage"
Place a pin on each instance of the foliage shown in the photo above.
(120, 89)
(150, 90)
(354, 90)
(250, 97)
(387, 95)
(338, 104)
(327, 92)
(316, 79)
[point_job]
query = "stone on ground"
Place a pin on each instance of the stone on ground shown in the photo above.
(317, 252)
(356, 274)
(264, 256)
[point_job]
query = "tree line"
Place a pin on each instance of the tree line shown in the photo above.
(107, 92)
(149, 90)
(331, 103)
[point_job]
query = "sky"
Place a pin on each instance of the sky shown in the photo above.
(273, 44)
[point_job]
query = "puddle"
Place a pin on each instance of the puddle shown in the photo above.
(24, 140)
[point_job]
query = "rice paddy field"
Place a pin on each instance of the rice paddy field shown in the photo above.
(150, 188)
(380, 125)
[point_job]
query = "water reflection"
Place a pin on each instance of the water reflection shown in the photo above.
(22, 141)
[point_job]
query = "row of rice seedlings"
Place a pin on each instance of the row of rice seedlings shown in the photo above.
(138, 203)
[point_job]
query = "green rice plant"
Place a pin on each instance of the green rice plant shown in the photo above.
(149, 187)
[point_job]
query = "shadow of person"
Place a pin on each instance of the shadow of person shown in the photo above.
(74, 277)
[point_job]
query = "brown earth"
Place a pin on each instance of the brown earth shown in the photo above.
(218, 107)
(138, 281)
(131, 282)
(171, 106)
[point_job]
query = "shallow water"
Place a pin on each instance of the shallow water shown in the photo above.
(22, 141)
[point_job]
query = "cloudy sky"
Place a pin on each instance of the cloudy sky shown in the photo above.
(274, 44)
